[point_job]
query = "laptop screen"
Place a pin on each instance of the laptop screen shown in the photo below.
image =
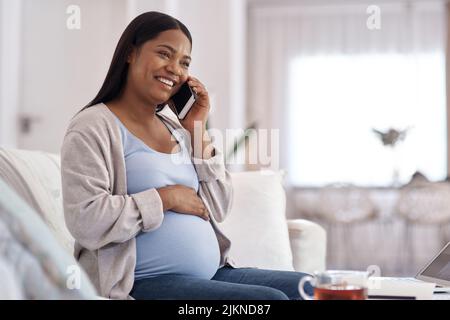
(440, 267)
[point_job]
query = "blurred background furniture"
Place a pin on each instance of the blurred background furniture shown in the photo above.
(342, 208)
(396, 229)
(424, 207)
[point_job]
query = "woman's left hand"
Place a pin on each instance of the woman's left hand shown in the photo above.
(200, 109)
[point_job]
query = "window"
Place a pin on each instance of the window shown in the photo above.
(336, 100)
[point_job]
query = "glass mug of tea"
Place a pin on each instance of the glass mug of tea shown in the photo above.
(336, 285)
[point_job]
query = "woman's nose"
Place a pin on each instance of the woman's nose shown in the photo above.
(173, 67)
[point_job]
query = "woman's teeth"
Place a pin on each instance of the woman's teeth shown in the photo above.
(165, 81)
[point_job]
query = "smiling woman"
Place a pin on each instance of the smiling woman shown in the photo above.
(160, 61)
(143, 209)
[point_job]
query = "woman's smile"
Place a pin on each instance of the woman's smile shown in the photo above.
(168, 82)
(165, 84)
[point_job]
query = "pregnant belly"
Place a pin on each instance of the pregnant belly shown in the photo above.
(182, 245)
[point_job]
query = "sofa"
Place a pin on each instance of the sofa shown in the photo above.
(257, 226)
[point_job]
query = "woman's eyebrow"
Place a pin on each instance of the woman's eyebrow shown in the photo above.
(173, 50)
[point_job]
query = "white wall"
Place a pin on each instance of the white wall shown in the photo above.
(10, 54)
(63, 69)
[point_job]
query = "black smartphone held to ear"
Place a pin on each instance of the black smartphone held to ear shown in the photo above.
(182, 101)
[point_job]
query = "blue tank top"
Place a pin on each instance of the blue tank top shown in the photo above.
(184, 244)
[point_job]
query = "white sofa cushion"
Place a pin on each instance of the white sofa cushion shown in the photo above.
(257, 224)
(36, 177)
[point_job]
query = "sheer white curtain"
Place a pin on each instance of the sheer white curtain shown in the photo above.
(322, 77)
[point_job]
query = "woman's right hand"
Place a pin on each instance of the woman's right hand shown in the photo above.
(183, 199)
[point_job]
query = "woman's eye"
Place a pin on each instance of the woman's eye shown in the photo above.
(164, 54)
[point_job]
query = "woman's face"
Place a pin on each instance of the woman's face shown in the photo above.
(159, 68)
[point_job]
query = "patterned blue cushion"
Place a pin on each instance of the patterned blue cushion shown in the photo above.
(43, 269)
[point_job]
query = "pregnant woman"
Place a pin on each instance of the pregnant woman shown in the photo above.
(142, 196)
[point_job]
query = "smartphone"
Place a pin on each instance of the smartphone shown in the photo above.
(182, 101)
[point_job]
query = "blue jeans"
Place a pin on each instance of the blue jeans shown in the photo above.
(227, 284)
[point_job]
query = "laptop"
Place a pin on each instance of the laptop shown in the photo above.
(438, 270)
(434, 277)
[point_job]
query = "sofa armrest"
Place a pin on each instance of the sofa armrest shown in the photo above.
(308, 244)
